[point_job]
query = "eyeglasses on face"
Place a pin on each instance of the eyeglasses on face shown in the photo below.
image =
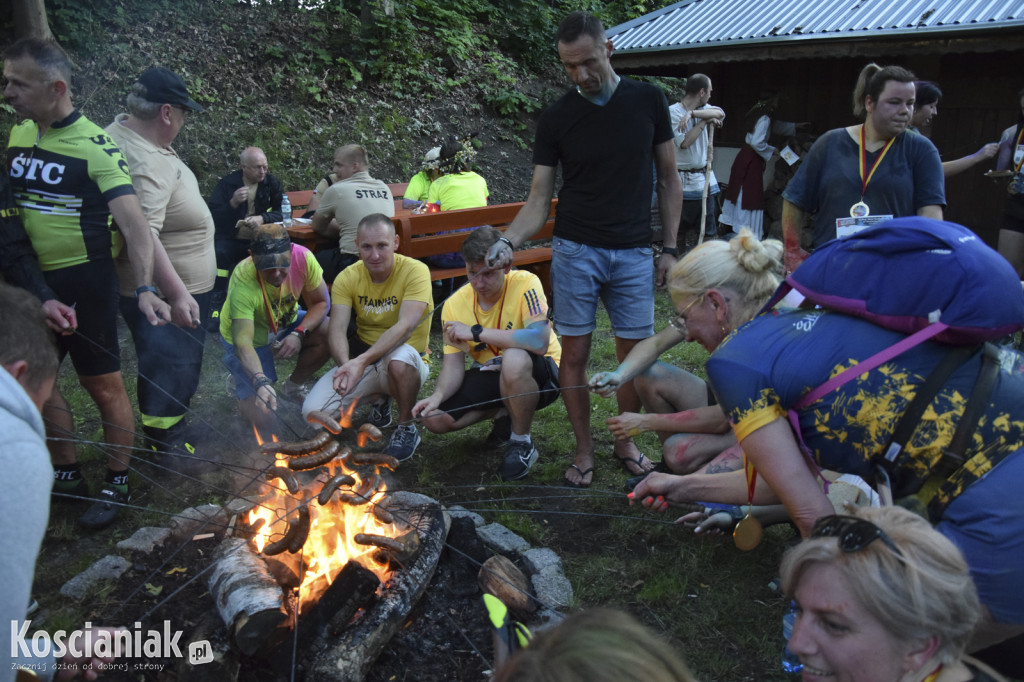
(678, 321)
(853, 534)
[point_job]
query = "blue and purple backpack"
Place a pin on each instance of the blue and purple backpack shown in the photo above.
(928, 278)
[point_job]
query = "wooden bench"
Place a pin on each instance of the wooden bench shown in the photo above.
(419, 237)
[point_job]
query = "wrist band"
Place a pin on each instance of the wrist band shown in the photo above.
(141, 290)
(299, 336)
(259, 381)
(670, 250)
(506, 240)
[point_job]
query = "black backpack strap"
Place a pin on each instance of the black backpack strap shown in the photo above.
(952, 461)
(894, 458)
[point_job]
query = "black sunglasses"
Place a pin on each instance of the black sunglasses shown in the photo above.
(854, 534)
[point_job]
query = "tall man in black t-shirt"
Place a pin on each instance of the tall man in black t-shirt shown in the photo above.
(606, 133)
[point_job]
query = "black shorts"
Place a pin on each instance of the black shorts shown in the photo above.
(482, 390)
(1013, 216)
(91, 288)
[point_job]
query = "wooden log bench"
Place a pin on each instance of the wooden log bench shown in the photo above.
(420, 237)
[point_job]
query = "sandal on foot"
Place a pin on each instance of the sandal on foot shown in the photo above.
(633, 481)
(638, 461)
(583, 474)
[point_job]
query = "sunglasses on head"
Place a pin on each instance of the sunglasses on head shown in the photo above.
(853, 534)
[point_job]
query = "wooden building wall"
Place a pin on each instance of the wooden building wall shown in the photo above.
(979, 102)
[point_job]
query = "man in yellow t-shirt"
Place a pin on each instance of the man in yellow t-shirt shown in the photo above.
(501, 322)
(390, 296)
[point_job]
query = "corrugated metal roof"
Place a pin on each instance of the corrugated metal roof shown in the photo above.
(732, 23)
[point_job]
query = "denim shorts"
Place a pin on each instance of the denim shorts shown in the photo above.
(623, 279)
(243, 382)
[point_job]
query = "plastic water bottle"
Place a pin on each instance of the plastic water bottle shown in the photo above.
(286, 210)
(790, 662)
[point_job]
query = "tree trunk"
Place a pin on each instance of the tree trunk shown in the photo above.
(30, 19)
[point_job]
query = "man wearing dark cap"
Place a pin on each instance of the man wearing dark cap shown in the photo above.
(170, 357)
(68, 179)
(261, 320)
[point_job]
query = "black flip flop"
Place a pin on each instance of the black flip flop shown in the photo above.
(582, 474)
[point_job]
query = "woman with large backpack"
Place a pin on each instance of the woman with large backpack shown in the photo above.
(958, 458)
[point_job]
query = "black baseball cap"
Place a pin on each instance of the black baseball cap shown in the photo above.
(166, 87)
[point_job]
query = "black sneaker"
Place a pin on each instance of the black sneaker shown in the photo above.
(500, 433)
(519, 457)
(403, 442)
(78, 490)
(380, 414)
(104, 510)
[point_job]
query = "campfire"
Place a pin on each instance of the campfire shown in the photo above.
(339, 516)
(324, 545)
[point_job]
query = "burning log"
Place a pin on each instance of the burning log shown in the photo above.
(350, 656)
(248, 598)
(353, 588)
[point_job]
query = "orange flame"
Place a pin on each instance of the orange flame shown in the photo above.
(333, 526)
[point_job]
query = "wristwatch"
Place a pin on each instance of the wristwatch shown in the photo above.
(670, 250)
(141, 290)
(476, 329)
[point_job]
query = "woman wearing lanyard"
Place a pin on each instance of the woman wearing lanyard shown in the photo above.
(1011, 158)
(862, 174)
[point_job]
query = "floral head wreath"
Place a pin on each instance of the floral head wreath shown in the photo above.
(462, 159)
(432, 160)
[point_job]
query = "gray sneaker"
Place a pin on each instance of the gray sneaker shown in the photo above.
(380, 414)
(519, 457)
(403, 442)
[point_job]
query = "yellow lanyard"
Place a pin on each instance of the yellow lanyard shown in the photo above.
(864, 162)
(266, 303)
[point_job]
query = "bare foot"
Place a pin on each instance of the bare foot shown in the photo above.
(581, 472)
(634, 461)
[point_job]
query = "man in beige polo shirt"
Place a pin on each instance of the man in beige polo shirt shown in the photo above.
(170, 357)
(353, 197)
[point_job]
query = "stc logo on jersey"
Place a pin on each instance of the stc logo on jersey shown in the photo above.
(36, 169)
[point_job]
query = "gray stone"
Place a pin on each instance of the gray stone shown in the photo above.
(553, 591)
(545, 619)
(458, 511)
(542, 560)
(209, 518)
(145, 540)
(108, 568)
(502, 540)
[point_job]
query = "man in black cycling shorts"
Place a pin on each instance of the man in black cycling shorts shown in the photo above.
(68, 179)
